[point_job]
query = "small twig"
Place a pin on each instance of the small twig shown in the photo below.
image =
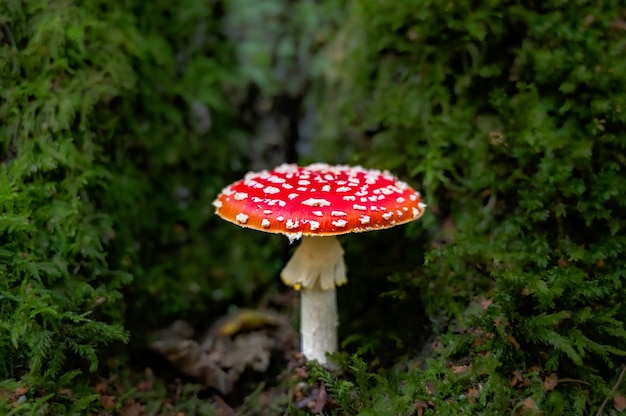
(617, 383)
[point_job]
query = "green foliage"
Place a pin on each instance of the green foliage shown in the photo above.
(116, 133)
(59, 299)
(58, 295)
(511, 120)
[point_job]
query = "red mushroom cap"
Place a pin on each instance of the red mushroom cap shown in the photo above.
(319, 199)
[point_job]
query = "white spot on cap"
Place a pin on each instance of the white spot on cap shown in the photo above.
(301, 188)
(400, 199)
(373, 198)
(242, 218)
(416, 212)
(314, 225)
(271, 190)
(399, 213)
(349, 198)
(387, 215)
(287, 186)
(329, 177)
(359, 207)
(374, 208)
(265, 223)
(291, 224)
(275, 179)
(293, 236)
(338, 214)
(318, 213)
(343, 189)
(313, 202)
(217, 203)
(304, 182)
(339, 223)
(240, 196)
(326, 188)
(267, 211)
(280, 218)
(365, 219)
(421, 206)
(412, 197)
(292, 196)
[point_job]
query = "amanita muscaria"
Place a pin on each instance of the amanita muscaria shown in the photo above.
(317, 203)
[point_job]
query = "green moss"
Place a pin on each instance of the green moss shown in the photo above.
(510, 118)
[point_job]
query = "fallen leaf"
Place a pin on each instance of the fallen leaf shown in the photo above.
(458, 369)
(230, 347)
(245, 320)
(513, 341)
(107, 401)
(101, 387)
(517, 377)
(550, 382)
(68, 392)
(322, 398)
(473, 393)
(530, 403)
(148, 383)
(132, 409)
(420, 406)
(485, 303)
(619, 402)
(20, 391)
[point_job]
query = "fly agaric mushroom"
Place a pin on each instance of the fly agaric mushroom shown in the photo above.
(317, 203)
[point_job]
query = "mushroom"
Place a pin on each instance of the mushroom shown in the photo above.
(317, 203)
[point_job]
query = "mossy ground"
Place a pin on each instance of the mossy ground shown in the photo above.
(121, 121)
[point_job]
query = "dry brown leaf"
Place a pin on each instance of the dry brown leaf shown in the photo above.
(619, 402)
(227, 350)
(420, 406)
(459, 369)
(550, 382)
(132, 409)
(513, 341)
(473, 393)
(20, 391)
(530, 403)
(321, 400)
(101, 387)
(485, 303)
(517, 377)
(107, 401)
(68, 392)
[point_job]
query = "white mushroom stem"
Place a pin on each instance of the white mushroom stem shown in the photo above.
(317, 267)
(318, 323)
